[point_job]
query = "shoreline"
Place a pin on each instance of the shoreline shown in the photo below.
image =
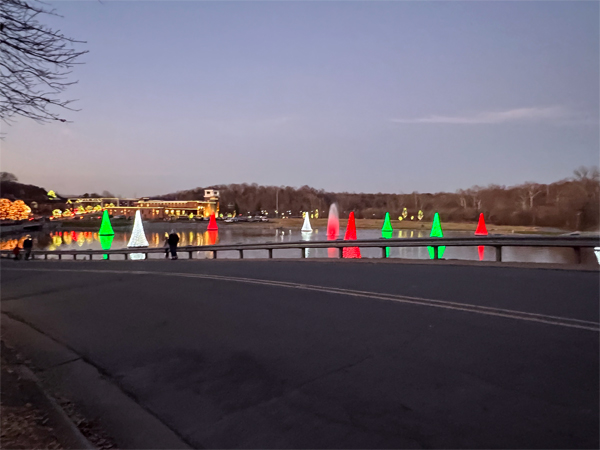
(296, 223)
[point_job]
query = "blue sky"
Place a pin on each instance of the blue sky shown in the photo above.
(344, 96)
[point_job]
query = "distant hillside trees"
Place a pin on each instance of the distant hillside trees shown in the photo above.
(571, 203)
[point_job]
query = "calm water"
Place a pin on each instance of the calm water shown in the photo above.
(196, 234)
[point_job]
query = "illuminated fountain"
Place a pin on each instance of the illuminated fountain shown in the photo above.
(333, 229)
(138, 237)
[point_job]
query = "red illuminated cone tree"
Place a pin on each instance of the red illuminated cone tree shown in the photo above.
(212, 223)
(481, 229)
(351, 252)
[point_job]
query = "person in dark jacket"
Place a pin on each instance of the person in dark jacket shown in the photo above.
(27, 246)
(173, 241)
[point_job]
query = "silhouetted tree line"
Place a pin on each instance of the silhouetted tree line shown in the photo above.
(571, 203)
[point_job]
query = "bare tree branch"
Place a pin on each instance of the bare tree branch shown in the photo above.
(35, 62)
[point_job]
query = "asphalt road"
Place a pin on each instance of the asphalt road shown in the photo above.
(304, 354)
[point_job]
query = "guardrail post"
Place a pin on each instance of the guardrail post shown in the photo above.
(190, 253)
(108, 256)
(303, 252)
(74, 256)
(270, 253)
(91, 255)
(241, 253)
(341, 251)
(214, 254)
(46, 256)
(126, 256)
(498, 253)
(383, 252)
(436, 255)
(577, 254)
(145, 255)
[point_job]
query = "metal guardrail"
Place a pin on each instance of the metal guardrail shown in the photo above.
(497, 242)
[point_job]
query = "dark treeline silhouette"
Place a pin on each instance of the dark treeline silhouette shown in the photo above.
(571, 203)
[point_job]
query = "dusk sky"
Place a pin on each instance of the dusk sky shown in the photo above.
(344, 96)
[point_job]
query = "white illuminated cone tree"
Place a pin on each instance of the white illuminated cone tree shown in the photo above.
(138, 237)
(306, 226)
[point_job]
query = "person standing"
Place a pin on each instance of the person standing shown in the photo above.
(27, 246)
(173, 241)
(166, 245)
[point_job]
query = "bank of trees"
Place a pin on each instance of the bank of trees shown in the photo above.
(571, 203)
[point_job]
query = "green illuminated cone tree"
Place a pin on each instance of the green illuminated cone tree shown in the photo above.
(106, 228)
(436, 231)
(106, 242)
(387, 226)
(386, 232)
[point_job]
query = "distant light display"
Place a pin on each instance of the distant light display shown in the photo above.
(436, 231)
(420, 215)
(405, 213)
(106, 228)
(51, 195)
(16, 210)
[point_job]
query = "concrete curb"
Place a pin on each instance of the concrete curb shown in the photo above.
(68, 433)
(62, 371)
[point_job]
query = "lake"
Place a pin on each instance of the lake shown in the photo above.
(196, 234)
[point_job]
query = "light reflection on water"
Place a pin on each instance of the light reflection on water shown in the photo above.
(197, 235)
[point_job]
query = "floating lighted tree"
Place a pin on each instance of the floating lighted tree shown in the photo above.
(105, 227)
(138, 237)
(405, 213)
(351, 252)
(106, 242)
(212, 223)
(436, 231)
(387, 231)
(420, 215)
(481, 231)
(306, 228)
(52, 195)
